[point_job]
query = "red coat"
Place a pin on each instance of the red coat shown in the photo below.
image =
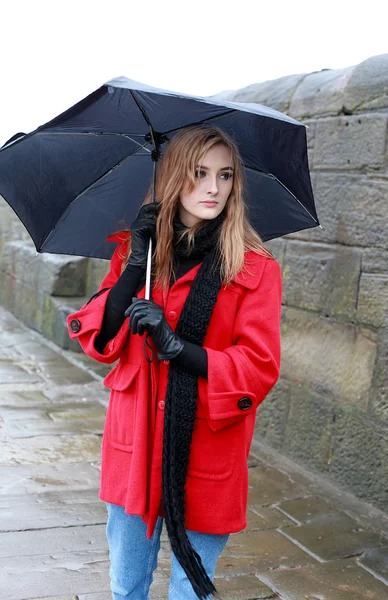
(243, 348)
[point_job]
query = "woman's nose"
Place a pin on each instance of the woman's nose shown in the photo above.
(213, 186)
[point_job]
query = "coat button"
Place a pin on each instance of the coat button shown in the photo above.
(161, 404)
(75, 325)
(165, 362)
(244, 403)
(172, 315)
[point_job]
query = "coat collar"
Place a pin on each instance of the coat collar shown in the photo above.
(248, 278)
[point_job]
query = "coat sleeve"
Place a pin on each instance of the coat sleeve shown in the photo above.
(86, 323)
(240, 376)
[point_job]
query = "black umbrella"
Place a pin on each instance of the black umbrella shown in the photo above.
(83, 175)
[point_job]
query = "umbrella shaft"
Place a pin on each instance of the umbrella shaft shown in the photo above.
(148, 272)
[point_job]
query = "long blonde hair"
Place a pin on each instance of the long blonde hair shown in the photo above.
(176, 168)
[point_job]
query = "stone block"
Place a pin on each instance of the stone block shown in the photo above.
(378, 401)
(352, 209)
(350, 142)
(320, 93)
(359, 458)
(277, 247)
(309, 431)
(321, 277)
(54, 324)
(311, 126)
(367, 87)
(374, 260)
(276, 93)
(372, 308)
(343, 580)
(97, 269)
(332, 359)
(11, 228)
(53, 274)
(272, 414)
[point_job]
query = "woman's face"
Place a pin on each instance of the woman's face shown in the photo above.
(214, 182)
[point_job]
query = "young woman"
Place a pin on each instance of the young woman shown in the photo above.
(195, 362)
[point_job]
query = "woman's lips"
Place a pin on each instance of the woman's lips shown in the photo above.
(209, 203)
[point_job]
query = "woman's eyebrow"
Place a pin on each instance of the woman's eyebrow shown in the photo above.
(207, 168)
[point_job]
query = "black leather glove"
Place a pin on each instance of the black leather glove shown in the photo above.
(142, 229)
(145, 314)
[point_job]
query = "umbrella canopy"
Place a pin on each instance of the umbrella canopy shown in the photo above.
(84, 175)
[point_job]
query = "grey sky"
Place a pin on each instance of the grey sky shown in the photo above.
(55, 53)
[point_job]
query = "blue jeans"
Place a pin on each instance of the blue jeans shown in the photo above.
(133, 557)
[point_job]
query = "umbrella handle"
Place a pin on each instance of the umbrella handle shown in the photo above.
(148, 271)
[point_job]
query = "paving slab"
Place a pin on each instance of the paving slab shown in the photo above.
(246, 587)
(52, 509)
(266, 517)
(376, 562)
(248, 552)
(23, 399)
(340, 580)
(25, 479)
(303, 510)
(72, 597)
(13, 373)
(49, 541)
(54, 574)
(76, 418)
(39, 353)
(92, 391)
(333, 537)
(267, 486)
(61, 372)
(50, 449)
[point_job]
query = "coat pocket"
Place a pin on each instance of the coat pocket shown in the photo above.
(121, 416)
(213, 454)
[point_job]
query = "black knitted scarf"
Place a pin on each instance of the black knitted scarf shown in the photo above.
(181, 397)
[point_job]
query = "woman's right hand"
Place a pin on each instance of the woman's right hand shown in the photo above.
(142, 229)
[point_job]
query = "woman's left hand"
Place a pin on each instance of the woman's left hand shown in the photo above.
(146, 315)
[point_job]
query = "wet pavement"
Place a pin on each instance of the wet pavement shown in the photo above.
(305, 540)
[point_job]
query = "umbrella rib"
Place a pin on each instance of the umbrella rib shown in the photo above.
(143, 112)
(293, 195)
(220, 116)
(90, 133)
(51, 232)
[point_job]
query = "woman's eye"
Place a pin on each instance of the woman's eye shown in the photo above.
(226, 176)
(199, 174)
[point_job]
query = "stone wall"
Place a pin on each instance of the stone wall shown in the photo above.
(330, 407)
(329, 410)
(42, 289)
